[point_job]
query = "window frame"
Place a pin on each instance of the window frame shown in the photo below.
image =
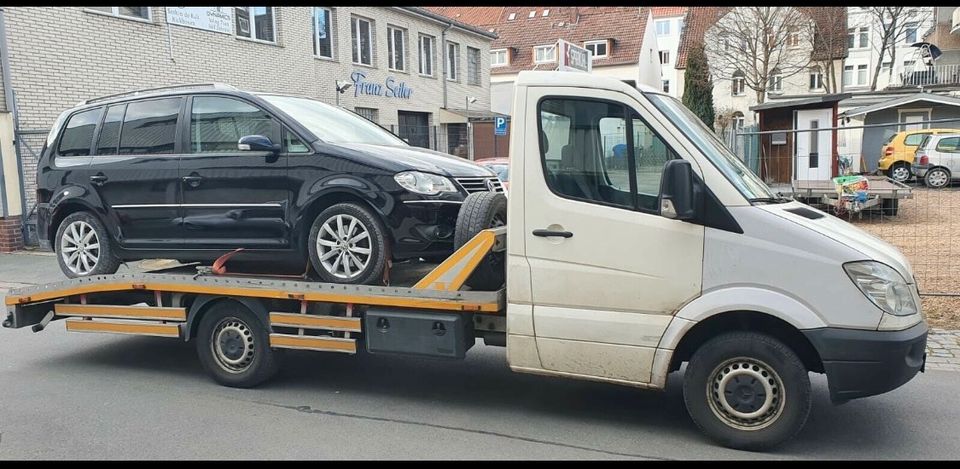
(452, 62)
(391, 48)
(116, 14)
(332, 33)
(656, 27)
(506, 57)
(355, 41)
(819, 80)
(907, 31)
(432, 59)
(276, 130)
(546, 46)
(940, 141)
(775, 83)
(597, 42)
(664, 53)
(743, 85)
(94, 140)
(253, 30)
(179, 132)
(479, 68)
(628, 112)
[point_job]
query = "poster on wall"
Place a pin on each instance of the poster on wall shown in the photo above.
(216, 19)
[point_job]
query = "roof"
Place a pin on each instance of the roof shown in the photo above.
(928, 97)
(822, 99)
(477, 16)
(832, 21)
(446, 19)
(580, 80)
(663, 12)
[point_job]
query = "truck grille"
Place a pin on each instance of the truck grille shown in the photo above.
(472, 185)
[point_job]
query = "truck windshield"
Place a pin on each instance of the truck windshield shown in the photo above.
(332, 124)
(745, 181)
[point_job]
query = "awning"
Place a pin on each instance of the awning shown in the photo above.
(926, 97)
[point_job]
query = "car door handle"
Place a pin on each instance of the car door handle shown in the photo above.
(194, 181)
(98, 179)
(545, 233)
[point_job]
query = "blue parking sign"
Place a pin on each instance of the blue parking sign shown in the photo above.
(500, 127)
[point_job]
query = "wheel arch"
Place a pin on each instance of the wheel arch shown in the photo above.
(202, 303)
(327, 199)
(68, 207)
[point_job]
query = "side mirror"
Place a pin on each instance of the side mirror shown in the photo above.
(679, 196)
(257, 143)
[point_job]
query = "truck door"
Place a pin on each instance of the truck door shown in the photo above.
(607, 270)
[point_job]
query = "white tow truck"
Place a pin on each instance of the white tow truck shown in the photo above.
(635, 242)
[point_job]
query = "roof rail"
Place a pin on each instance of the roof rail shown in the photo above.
(215, 86)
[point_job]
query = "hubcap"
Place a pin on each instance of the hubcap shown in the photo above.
(232, 345)
(344, 246)
(937, 178)
(901, 174)
(745, 394)
(80, 247)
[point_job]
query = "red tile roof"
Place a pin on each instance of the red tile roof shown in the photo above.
(660, 12)
(699, 19)
(477, 16)
(624, 26)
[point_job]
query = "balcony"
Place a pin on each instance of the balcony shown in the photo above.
(937, 76)
(955, 24)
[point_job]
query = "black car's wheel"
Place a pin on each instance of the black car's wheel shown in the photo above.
(482, 210)
(747, 390)
(937, 178)
(83, 247)
(234, 346)
(347, 244)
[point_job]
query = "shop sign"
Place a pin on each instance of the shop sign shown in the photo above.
(390, 88)
(216, 19)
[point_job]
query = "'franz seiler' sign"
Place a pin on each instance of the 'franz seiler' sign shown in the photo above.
(389, 89)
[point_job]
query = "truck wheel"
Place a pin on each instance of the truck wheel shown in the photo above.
(347, 245)
(84, 248)
(747, 390)
(234, 346)
(482, 210)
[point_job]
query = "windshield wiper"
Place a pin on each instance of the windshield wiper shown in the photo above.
(779, 199)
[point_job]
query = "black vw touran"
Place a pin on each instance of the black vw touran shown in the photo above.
(192, 172)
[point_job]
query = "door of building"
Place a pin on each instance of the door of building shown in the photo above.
(414, 127)
(814, 154)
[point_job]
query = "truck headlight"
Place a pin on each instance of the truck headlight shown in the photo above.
(883, 285)
(424, 183)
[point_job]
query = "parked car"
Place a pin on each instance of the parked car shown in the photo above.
(501, 166)
(937, 160)
(160, 173)
(896, 154)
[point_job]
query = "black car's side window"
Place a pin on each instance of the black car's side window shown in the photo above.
(218, 123)
(293, 144)
(110, 130)
(78, 133)
(150, 127)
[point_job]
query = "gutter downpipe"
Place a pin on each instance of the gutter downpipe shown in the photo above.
(443, 41)
(8, 96)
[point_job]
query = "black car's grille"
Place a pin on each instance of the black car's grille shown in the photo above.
(472, 185)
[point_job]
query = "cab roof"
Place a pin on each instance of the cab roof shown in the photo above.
(579, 80)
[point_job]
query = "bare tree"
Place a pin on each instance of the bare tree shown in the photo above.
(759, 43)
(723, 120)
(828, 42)
(891, 25)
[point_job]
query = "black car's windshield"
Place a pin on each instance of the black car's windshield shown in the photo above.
(332, 124)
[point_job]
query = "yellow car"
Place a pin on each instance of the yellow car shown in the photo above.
(896, 154)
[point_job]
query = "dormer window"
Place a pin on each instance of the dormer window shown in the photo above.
(598, 48)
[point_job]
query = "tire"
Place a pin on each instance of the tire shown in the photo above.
(785, 392)
(482, 210)
(234, 346)
(900, 172)
(890, 207)
(368, 252)
(81, 239)
(937, 178)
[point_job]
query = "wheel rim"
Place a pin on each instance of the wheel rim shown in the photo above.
(901, 174)
(746, 394)
(343, 246)
(937, 178)
(497, 221)
(232, 344)
(80, 247)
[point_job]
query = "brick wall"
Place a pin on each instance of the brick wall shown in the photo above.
(11, 238)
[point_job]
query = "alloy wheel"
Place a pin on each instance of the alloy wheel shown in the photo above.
(343, 246)
(937, 178)
(80, 247)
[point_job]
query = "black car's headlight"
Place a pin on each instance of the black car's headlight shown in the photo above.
(884, 286)
(424, 183)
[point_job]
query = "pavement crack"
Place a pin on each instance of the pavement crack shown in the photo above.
(309, 410)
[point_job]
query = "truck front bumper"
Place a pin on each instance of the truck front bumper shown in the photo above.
(862, 363)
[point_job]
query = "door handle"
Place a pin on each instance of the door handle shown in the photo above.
(193, 181)
(98, 179)
(544, 233)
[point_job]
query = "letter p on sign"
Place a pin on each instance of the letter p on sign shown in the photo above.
(500, 127)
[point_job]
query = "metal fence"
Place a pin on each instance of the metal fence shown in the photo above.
(29, 144)
(450, 138)
(924, 222)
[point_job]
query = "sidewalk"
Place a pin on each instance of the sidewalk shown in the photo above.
(26, 268)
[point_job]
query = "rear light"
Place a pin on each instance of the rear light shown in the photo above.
(924, 159)
(888, 151)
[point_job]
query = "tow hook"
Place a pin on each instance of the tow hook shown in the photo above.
(8, 323)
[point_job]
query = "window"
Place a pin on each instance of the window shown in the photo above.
(453, 59)
(149, 127)
(910, 32)
(814, 155)
(78, 133)
(473, 66)
(293, 144)
(332, 124)
(367, 113)
(588, 148)
(396, 49)
(663, 28)
(816, 79)
(544, 54)
(775, 82)
(914, 139)
(545, 13)
(323, 32)
(738, 85)
(738, 120)
(847, 75)
(854, 34)
(361, 31)
(885, 67)
(217, 123)
(263, 23)
(597, 48)
(793, 37)
(860, 79)
(949, 144)
(665, 84)
(533, 13)
(110, 130)
(861, 74)
(427, 55)
(512, 17)
(125, 12)
(498, 58)
(664, 57)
